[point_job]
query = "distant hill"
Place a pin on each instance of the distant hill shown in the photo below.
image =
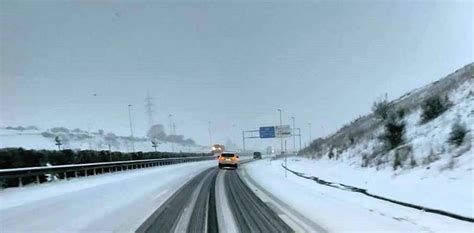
(34, 138)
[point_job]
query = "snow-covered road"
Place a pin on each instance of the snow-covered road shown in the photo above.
(341, 211)
(117, 202)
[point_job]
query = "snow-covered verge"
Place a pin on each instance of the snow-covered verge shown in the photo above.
(117, 202)
(341, 211)
(83, 140)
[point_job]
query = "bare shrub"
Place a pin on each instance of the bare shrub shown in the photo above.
(381, 108)
(457, 134)
(393, 136)
(433, 107)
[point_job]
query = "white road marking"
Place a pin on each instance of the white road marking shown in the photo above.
(160, 195)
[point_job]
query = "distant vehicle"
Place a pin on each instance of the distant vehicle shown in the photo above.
(228, 159)
(218, 148)
(257, 155)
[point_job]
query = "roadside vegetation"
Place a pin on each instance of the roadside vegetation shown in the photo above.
(458, 134)
(434, 106)
(19, 157)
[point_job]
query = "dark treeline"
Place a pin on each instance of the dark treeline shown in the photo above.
(19, 157)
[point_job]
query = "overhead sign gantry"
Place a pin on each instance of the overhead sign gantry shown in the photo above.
(265, 132)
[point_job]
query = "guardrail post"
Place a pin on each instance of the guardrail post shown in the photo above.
(37, 179)
(75, 174)
(20, 182)
(65, 175)
(85, 172)
(102, 170)
(95, 173)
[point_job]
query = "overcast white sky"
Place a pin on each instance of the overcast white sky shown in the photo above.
(232, 62)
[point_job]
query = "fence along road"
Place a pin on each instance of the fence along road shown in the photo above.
(77, 170)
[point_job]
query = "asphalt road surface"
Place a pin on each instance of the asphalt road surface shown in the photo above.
(214, 201)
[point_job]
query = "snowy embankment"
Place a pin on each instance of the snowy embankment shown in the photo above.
(337, 210)
(428, 141)
(117, 202)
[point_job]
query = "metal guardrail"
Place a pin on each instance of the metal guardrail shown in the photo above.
(77, 170)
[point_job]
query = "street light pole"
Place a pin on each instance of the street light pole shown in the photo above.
(281, 138)
(293, 131)
(299, 134)
(131, 126)
(281, 144)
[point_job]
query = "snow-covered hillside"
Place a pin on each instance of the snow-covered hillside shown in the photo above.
(428, 142)
(434, 173)
(78, 139)
(359, 143)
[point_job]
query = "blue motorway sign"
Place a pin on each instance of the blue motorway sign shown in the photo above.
(267, 132)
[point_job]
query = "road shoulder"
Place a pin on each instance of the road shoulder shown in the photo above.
(297, 221)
